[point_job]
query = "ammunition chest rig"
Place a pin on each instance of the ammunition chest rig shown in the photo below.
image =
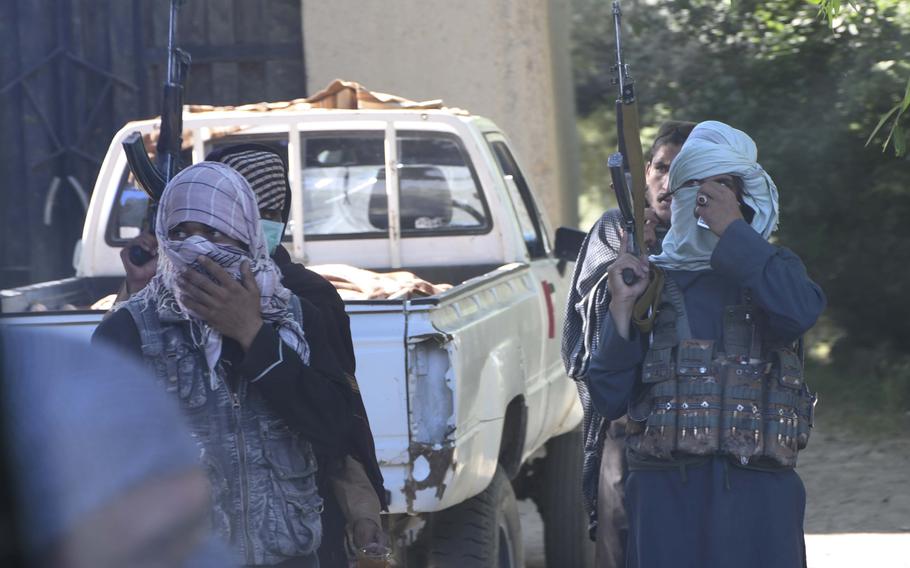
(745, 397)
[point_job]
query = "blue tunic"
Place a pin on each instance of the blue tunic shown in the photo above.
(714, 513)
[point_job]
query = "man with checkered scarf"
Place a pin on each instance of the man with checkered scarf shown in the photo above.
(603, 468)
(349, 479)
(229, 342)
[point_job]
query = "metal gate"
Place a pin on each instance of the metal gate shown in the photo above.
(72, 72)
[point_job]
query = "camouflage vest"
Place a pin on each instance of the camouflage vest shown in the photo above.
(263, 474)
(743, 396)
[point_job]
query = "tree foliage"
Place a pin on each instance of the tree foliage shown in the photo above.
(897, 136)
(809, 90)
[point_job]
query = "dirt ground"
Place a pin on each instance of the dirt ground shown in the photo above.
(855, 485)
(858, 509)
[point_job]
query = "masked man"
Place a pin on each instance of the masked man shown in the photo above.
(352, 486)
(230, 342)
(716, 403)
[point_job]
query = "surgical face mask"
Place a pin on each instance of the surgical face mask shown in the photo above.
(273, 232)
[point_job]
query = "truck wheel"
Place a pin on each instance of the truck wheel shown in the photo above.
(557, 493)
(482, 532)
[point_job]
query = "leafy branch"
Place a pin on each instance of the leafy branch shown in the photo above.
(830, 9)
(897, 133)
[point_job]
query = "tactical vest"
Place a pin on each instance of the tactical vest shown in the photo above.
(263, 474)
(743, 396)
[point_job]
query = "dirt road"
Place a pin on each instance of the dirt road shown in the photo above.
(858, 510)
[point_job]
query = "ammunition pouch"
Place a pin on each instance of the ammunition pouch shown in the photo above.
(747, 401)
(789, 408)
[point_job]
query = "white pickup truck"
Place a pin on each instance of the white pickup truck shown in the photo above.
(465, 390)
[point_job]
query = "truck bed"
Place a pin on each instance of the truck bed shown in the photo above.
(58, 295)
(79, 294)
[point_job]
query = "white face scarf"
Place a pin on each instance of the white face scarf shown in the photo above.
(214, 194)
(713, 148)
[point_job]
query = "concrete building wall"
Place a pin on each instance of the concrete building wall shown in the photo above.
(507, 60)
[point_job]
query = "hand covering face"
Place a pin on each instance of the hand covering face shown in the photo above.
(214, 194)
(713, 148)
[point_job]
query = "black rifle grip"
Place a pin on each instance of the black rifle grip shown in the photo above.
(139, 256)
(629, 277)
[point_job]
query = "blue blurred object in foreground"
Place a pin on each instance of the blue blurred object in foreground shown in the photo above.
(107, 473)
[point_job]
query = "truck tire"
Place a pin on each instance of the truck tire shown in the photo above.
(557, 493)
(482, 532)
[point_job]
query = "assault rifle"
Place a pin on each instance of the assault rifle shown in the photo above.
(627, 167)
(627, 171)
(151, 178)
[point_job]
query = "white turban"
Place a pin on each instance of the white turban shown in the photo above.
(713, 148)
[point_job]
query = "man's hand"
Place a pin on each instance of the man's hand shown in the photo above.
(138, 276)
(622, 296)
(717, 205)
(368, 537)
(230, 307)
(652, 221)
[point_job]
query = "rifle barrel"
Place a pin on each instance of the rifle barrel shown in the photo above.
(171, 44)
(620, 70)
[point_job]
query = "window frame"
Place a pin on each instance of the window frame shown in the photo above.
(284, 138)
(503, 153)
(405, 233)
(110, 235)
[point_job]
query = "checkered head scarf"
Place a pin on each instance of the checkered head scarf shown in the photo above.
(216, 195)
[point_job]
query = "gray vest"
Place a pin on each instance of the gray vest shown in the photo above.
(744, 396)
(263, 474)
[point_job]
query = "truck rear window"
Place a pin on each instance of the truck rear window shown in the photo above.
(344, 185)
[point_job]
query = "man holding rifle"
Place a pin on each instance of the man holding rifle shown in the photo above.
(349, 478)
(198, 283)
(603, 455)
(231, 344)
(713, 387)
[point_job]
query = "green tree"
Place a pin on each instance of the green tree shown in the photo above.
(809, 91)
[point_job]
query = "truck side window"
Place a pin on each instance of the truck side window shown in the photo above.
(129, 212)
(522, 199)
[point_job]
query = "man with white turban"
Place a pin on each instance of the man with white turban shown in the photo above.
(230, 342)
(694, 498)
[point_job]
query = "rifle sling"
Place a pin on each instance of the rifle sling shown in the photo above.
(646, 306)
